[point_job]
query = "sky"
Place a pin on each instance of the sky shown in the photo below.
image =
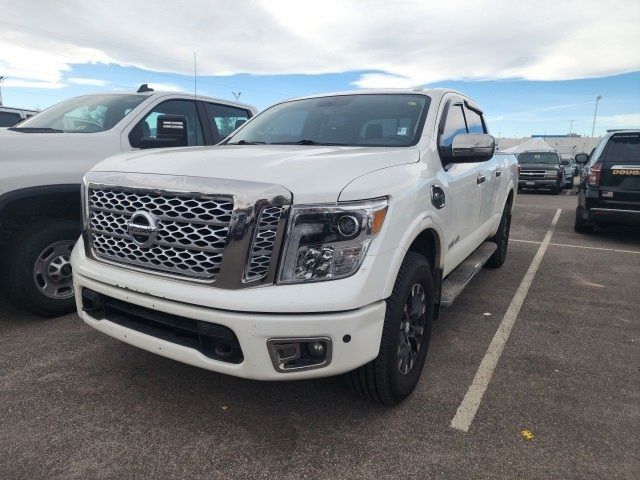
(535, 67)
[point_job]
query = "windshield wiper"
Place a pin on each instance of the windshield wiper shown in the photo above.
(244, 142)
(35, 130)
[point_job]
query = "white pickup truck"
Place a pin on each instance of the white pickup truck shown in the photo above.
(42, 162)
(320, 238)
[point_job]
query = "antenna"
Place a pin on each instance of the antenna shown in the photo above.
(237, 95)
(195, 76)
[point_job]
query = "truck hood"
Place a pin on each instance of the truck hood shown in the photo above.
(312, 173)
(31, 145)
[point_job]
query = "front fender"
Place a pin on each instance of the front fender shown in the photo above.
(426, 222)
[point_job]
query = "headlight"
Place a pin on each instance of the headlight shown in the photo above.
(551, 173)
(326, 242)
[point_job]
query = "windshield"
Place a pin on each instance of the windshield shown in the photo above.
(86, 114)
(538, 157)
(377, 120)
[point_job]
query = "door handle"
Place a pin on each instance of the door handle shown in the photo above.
(480, 179)
(498, 172)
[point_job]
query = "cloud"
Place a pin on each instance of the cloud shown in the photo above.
(164, 87)
(530, 114)
(19, 83)
(406, 44)
(629, 120)
(88, 81)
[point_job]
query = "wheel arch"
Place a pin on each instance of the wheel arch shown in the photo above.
(49, 201)
(426, 239)
(510, 197)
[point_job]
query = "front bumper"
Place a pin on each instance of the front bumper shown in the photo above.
(253, 330)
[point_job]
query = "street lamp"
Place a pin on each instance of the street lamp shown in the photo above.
(593, 128)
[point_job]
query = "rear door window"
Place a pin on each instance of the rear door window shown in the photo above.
(226, 119)
(146, 128)
(9, 119)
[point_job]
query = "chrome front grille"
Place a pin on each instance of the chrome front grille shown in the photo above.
(185, 208)
(221, 232)
(532, 174)
(264, 239)
(191, 231)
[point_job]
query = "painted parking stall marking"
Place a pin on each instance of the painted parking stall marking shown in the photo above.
(471, 402)
(603, 249)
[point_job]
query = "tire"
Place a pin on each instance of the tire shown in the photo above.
(382, 380)
(580, 225)
(37, 262)
(556, 190)
(501, 239)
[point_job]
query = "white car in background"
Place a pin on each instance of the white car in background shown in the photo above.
(43, 159)
(568, 173)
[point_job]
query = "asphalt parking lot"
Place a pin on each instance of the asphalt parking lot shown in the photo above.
(78, 404)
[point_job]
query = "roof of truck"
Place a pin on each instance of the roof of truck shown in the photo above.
(160, 93)
(433, 93)
(378, 91)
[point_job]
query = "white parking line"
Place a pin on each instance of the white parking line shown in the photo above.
(637, 252)
(469, 406)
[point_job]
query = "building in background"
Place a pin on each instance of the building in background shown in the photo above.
(566, 145)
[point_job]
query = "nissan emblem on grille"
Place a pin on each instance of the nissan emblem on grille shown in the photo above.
(142, 228)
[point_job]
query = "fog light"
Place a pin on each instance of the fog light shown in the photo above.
(295, 354)
(316, 349)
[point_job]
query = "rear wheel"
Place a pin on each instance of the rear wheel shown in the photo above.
(38, 267)
(501, 239)
(395, 372)
(581, 225)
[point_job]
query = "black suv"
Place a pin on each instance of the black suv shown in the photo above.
(541, 170)
(609, 190)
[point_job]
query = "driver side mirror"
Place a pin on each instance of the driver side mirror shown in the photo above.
(171, 131)
(472, 147)
(582, 158)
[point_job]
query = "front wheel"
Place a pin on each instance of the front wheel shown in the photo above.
(38, 268)
(395, 372)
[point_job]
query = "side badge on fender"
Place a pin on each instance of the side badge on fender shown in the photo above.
(437, 197)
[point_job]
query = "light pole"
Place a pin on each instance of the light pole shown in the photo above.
(237, 95)
(571, 127)
(2, 77)
(595, 114)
